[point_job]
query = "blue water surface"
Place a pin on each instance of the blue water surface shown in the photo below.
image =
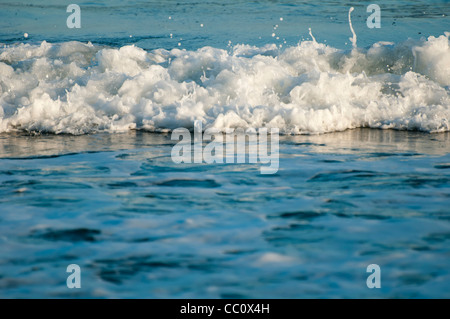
(141, 226)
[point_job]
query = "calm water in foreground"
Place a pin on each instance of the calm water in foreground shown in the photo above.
(141, 226)
(86, 175)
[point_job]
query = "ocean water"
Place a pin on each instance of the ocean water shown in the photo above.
(86, 175)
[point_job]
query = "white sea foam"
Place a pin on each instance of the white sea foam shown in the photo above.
(80, 88)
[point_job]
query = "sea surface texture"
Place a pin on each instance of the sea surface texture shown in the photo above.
(87, 178)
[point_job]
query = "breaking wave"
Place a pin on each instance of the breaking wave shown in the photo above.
(80, 88)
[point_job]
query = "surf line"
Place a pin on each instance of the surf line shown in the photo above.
(237, 149)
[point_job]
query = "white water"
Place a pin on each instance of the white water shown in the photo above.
(79, 88)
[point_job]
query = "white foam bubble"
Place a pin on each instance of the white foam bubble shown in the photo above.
(271, 257)
(80, 88)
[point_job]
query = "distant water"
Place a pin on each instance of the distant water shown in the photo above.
(86, 175)
(150, 22)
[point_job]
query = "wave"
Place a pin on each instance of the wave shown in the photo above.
(79, 88)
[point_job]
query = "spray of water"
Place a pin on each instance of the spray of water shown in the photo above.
(310, 33)
(353, 39)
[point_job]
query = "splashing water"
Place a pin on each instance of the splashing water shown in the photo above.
(80, 88)
(354, 38)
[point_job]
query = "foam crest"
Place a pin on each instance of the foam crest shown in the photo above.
(79, 88)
